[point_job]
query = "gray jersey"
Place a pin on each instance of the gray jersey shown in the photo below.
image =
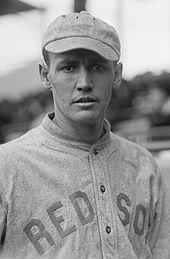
(61, 198)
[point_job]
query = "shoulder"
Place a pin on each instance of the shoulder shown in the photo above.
(15, 156)
(126, 145)
(134, 153)
(12, 150)
(140, 165)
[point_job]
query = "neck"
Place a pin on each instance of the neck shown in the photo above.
(87, 133)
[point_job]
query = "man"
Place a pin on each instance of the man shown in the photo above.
(70, 188)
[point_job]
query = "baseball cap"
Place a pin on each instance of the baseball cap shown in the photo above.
(82, 31)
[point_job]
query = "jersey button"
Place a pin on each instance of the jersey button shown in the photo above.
(96, 152)
(102, 188)
(108, 229)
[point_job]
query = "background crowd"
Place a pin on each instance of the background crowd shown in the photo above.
(144, 99)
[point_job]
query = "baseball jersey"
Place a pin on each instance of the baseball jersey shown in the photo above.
(61, 198)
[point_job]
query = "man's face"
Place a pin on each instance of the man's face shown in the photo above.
(82, 83)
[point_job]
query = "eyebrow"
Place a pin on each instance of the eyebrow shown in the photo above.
(75, 60)
(67, 61)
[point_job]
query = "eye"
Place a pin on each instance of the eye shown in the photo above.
(68, 68)
(97, 67)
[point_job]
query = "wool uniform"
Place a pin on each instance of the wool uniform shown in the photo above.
(61, 198)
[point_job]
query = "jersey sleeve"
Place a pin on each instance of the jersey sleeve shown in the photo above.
(2, 224)
(3, 203)
(159, 239)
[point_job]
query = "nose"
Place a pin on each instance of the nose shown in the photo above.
(84, 82)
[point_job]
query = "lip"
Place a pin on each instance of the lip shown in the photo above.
(85, 100)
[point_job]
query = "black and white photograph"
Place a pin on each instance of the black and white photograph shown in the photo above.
(85, 129)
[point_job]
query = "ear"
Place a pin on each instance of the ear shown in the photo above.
(118, 75)
(43, 71)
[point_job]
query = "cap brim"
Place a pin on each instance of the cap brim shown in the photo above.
(66, 44)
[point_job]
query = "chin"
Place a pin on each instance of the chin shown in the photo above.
(89, 119)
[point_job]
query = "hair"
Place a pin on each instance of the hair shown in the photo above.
(46, 57)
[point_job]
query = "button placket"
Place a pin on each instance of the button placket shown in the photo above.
(106, 216)
(103, 200)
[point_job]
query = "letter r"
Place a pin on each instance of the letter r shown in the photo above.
(40, 233)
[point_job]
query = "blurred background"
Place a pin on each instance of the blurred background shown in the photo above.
(139, 110)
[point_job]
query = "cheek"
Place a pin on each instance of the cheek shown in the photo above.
(60, 94)
(107, 88)
(106, 93)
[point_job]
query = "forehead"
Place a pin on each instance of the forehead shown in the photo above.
(77, 54)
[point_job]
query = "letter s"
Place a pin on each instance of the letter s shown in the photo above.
(120, 197)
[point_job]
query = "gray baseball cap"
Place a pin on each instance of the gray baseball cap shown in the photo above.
(82, 31)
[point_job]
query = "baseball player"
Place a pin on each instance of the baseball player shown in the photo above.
(70, 188)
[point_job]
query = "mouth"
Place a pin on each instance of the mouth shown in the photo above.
(85, 100)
